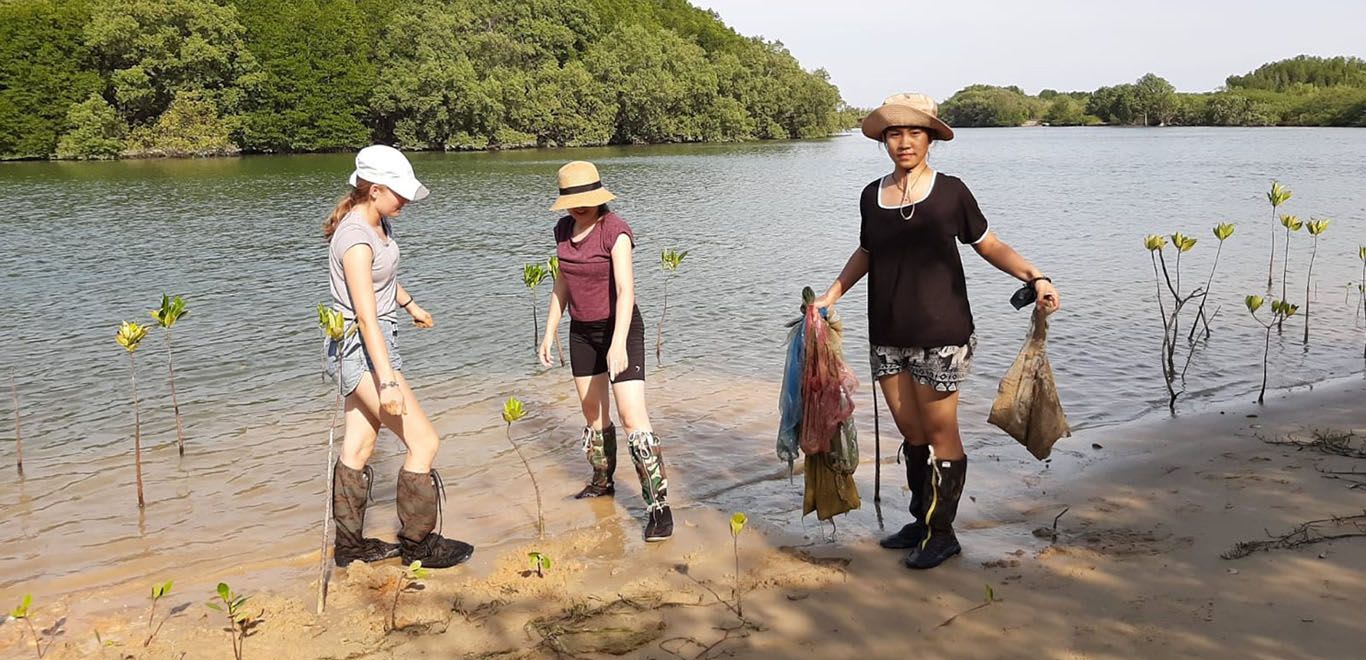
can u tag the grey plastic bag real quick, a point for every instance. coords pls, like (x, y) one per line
(1027, 405)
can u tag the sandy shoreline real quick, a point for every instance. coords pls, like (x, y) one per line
(1135, 570)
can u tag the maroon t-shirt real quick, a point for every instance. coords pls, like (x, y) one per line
(587, 266)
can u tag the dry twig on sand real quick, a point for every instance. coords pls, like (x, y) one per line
(1337, 443)
(1308, 533)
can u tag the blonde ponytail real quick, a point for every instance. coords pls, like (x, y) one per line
(358, 195)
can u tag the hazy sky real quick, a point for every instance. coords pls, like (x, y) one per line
(873, 49)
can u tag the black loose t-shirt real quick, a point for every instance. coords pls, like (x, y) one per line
(917, 294)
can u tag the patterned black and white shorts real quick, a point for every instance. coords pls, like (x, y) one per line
(941, 367)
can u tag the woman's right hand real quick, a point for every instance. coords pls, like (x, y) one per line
(544, 352)
(391, 401)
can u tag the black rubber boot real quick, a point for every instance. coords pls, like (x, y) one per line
(350, 495)
(601, 449)
(946, 488)
(917, 459)
(419, 512)
(660, 524)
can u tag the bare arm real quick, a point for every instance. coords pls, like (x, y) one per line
(623, 271)
(559, 297)
(997, 253)
(421, 318)
(854, 270)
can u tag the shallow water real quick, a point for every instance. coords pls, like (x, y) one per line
(94, 243)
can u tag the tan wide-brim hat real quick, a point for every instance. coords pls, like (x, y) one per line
(907, 109)
(580, 185)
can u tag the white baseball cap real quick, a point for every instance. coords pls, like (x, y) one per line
(388, 167)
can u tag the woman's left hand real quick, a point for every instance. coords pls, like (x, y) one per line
(1047, 296)
(616, 360)
(420, 316)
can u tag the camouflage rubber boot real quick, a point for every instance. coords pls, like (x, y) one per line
(917, 459)
(419, 513)
(601, 449)
(654, 484)
(350, 495)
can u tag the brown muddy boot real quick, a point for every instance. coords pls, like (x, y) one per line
(654, 485)
(419, 512)
(601, 449)
(917, 459)
(350, 494)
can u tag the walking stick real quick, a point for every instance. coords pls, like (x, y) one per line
(877, 452)
(331, 481)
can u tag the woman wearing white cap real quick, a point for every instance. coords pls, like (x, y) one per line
(919, 321)
(606, 339)
(363, 268)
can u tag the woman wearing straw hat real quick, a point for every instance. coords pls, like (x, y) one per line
(919, 321)
(606, 339)
(363, 268)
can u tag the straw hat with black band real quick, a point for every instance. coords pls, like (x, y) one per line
(580, 186)
(906, 110)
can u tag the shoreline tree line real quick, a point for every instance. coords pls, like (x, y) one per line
(137, 78)
(1300, 91)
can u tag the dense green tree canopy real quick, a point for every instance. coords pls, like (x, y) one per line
(176, 76)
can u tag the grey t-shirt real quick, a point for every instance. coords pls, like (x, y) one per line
(353, 230)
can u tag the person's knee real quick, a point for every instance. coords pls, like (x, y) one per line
(910, 431)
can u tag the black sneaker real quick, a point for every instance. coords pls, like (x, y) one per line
(436, 551)
(595, 490)
(371, 550)
(909, 537)
(936, 550)
(660, 525)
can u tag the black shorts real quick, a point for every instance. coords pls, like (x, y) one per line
(589, 341)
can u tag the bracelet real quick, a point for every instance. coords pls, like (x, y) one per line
(1029, 283)
(387, 385)
(405, 305)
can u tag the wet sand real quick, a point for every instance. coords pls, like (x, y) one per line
(1135, 569)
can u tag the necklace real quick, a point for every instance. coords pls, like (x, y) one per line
(906, 196)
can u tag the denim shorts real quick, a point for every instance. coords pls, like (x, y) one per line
(355, 360)
(940, 367)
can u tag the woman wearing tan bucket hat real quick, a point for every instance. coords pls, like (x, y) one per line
(606, 339)
(919, 320)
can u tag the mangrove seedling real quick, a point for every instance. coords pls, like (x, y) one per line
(737, 525)
(1315, 227)
(1291, 223)
(239, 622)
(1156, 244)
(334, 328)
(409, 579)
(18, 432)
(159, 591)
(1279, 311)
(532, 276)
(1222, 232)
(513, 411)
(21, 612)
(539, 563)
(1278, 195)
(130, 335)
(553, 265)
(669, 260)
(171, 310)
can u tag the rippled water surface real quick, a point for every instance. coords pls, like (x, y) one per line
(90, 244)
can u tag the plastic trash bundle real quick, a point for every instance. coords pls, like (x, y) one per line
(816, 405)
(1027, 405)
